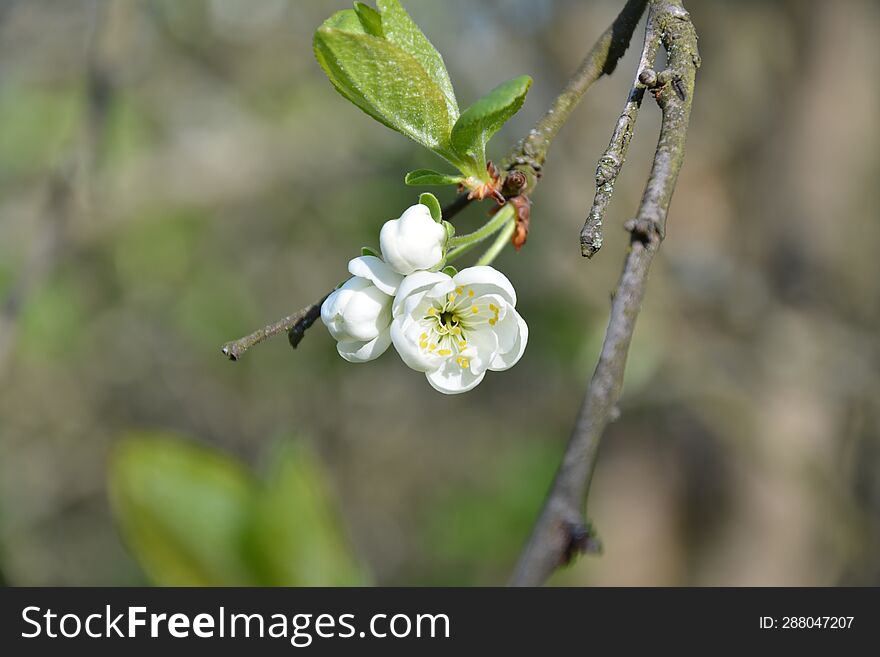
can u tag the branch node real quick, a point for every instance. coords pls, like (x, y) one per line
(607, 169)
(580, 538)
(645, 230)
(648, 77)
(514, 182)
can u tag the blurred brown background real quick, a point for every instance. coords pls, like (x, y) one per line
(176, 174)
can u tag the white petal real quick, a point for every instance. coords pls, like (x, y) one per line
(367, 313)
(377, 272)
(481, 350)
(414, 283)
(486, 280)
(405, 337)
(450, 379)
(418, 214)
(513, 323)
(334, 307)
(361, 352)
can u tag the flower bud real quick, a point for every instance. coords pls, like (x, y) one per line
(358, 313)
(414, 242)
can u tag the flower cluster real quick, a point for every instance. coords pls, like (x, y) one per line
(453, 327)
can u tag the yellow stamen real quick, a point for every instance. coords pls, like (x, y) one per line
(432, 347)
(458, 290)
(474, 310)
(432, 311)
(470, 293)
(493, 308)
(444, 352)
(492, 322)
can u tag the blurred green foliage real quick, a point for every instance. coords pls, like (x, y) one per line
(195, 517)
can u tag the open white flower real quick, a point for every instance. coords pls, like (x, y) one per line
(414, 242)
(455, 328)
(358, 313)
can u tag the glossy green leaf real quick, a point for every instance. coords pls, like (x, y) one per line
(384, 81)
(368, 251)
(182, 509)
(371, 20)
(430, 201)
(296, 536)
(431, 178)
(401, 30)
(449, 270)
(347, 20)
(480, 121)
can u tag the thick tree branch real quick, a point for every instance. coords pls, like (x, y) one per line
(523, 164)
(561, 530)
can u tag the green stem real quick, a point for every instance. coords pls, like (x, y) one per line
(500, 242)
(472, 239)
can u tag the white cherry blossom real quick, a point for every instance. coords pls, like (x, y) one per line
(455, 328)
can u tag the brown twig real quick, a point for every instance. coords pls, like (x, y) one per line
(295, 325)
(561, 530)
(523, 164)
(612, 159)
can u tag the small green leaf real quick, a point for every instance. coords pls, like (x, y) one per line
(182, 509)
(370, 19)
(481, 120)
(367, 251)
(450, 230)
(429, 200)
(386, 82)
(346, 20)
(431, 178)
(400, 29)
(449, 270)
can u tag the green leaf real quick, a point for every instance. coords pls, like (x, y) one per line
(481, 120)
(347, 20)
(367, 251)
(449, 270)
(429, 200)
(386, 82)
(182, 509)
(296, 536)
(450, 230)
(431, 178)
(371, 20)
(400, 29)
